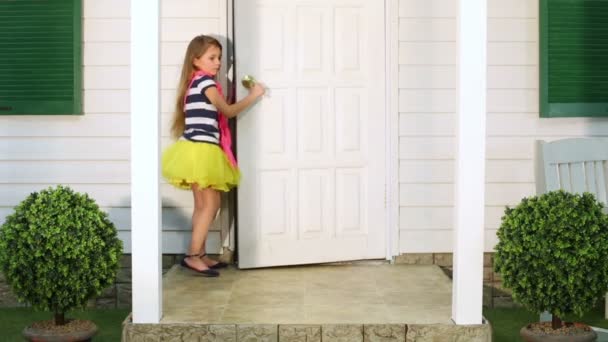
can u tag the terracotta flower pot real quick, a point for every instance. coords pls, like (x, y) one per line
(574, 332)
(75, 331)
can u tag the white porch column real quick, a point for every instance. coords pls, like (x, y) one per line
(145, 169)
(470, 163)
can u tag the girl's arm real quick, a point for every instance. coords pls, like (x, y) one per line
(232, 110)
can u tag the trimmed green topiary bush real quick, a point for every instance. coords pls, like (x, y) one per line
(58, 250)
(553, 253)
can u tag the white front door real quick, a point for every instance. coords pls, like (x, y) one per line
(312, 151)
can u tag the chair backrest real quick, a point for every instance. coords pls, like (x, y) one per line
(575, 165)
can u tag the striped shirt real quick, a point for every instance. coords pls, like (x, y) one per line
(201, 114)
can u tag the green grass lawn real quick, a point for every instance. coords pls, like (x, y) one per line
(507, 322)
(13, 320)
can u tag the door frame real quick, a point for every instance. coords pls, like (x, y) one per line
(391, 46)
(391, 113)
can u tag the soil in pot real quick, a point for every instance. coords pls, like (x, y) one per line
(73, 330)
(570, 332)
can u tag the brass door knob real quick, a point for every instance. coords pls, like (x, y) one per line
(248, 81)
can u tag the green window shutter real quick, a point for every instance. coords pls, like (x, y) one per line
(40, 57)
(573, 58)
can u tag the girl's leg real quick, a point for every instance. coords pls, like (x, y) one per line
(214, 205)
(205, 206)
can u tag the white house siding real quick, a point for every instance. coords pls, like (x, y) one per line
(91, 152)
(427, 102)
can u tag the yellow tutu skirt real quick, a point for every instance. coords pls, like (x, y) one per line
(186, 162)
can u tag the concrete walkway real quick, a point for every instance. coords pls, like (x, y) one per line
(338, 303)
(341, 294)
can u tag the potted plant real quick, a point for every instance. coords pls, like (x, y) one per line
(553, 255)
(57, 251)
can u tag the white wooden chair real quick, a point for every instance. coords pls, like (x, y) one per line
(575, 165)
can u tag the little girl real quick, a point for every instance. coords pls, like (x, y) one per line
(202, 158)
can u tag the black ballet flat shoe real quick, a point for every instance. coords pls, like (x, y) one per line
(204, 273)
(216, 266)
(219, 265)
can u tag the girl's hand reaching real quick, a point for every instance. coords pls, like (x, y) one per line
(257, 90)
(232, 110)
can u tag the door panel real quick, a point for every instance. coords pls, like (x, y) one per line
(312, 151)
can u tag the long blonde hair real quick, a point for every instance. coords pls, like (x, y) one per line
(197, 47)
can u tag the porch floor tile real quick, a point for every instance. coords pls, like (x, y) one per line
(332, 294)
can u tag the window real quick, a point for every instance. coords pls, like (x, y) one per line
(40, 57)
(573, 58)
